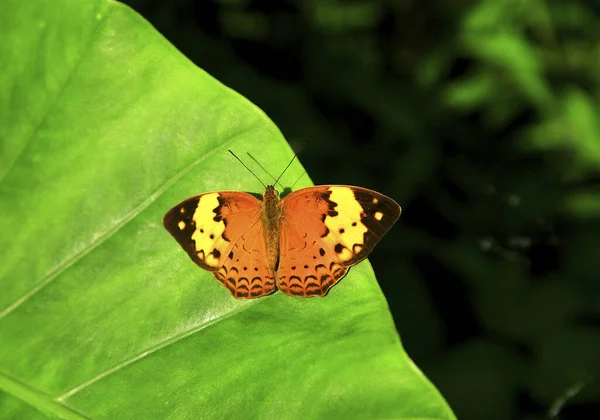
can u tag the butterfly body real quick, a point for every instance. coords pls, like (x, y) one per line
(302, 244)
(271, 216)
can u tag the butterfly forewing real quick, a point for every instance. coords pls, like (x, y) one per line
(377, 214)
(208, 225)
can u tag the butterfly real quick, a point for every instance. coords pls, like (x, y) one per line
(302, 244)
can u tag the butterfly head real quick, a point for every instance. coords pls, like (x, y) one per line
(270, 194)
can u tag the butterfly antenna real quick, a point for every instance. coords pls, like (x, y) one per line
(262, 167)
(299, 178)
(286, 168)
(250, 170)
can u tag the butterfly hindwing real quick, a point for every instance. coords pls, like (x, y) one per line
(245, 272)
(325, 230)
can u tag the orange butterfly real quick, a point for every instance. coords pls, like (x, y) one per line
(302, 244)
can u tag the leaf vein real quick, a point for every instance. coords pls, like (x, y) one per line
(171, 340)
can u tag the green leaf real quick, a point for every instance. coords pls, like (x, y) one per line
(105, 126)
(584, 204)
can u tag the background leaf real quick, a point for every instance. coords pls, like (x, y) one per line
(105, 126)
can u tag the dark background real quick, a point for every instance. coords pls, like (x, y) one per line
(480, 117)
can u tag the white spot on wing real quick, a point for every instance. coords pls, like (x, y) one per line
(181, 225)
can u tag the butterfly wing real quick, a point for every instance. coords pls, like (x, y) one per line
(327, 229)
(246, 272)
(213, 228)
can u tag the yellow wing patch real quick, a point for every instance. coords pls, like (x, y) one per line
(208, 236)
(347, 219)
(346, 231)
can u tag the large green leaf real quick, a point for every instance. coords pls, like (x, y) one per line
(105, 126)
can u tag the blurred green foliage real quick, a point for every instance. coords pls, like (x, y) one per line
(481, 118)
